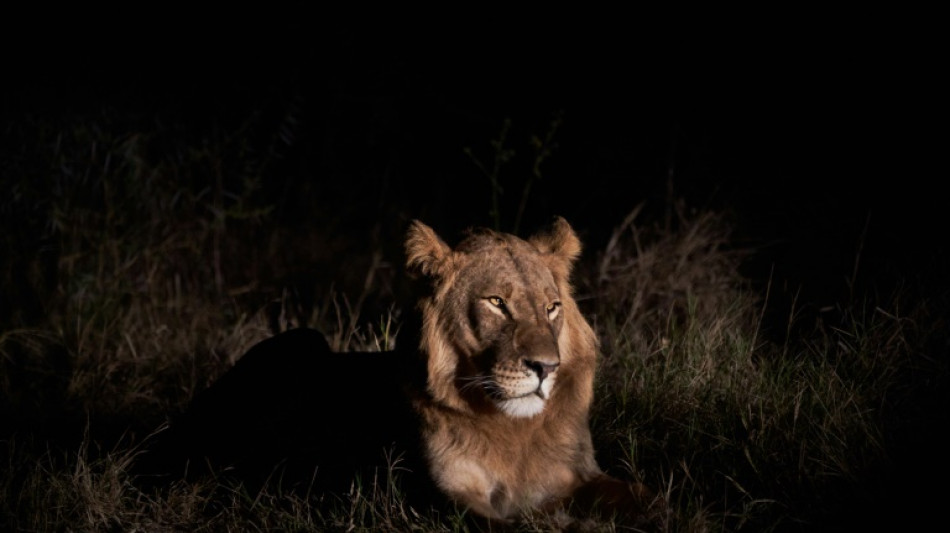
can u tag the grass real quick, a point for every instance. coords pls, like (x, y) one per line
(140, 264)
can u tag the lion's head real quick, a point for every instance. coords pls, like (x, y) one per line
(500, 324)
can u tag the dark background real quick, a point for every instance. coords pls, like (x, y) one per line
(822, 134)
(820, 131)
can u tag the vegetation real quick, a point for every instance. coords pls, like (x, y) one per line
(140, 261)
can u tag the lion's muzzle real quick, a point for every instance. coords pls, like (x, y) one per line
(537, 346)
(524, 376)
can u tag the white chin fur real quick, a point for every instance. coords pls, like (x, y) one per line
(524, 407)
(528, 404)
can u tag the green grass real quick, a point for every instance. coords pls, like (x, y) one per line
(139, 265)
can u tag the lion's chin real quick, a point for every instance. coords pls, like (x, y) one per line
(523, 407)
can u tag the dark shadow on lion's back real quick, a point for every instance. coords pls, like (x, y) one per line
(292, 413)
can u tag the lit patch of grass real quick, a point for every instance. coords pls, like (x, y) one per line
(738, 431)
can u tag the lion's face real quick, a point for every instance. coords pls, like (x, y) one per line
(494, 322)
(508, 336)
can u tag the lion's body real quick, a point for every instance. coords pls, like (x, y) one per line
(490, 404)
(294, 412)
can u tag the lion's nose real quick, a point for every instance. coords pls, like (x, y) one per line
(540, 368)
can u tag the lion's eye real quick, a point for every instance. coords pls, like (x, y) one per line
(497, 301)
(553, 308)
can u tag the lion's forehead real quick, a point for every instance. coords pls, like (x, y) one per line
(510, 273)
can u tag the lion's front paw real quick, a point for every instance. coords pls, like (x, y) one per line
(629, 502)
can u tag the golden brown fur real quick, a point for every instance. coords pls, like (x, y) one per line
(485, 454)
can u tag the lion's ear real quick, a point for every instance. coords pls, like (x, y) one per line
(426, 253)
(561, 243)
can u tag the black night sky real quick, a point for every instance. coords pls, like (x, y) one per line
(814, 129)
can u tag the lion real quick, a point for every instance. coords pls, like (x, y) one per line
(488, 402)
(510, 372)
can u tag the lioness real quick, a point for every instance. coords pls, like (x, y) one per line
(489, 401)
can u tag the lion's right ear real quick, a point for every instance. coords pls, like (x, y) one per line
(426, 253)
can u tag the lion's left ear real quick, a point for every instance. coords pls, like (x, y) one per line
(561, 244)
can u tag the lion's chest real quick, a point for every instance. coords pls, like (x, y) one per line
(497, 477)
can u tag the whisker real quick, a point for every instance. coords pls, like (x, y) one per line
(481, 380)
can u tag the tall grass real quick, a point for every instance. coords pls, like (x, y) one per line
(140, 265)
